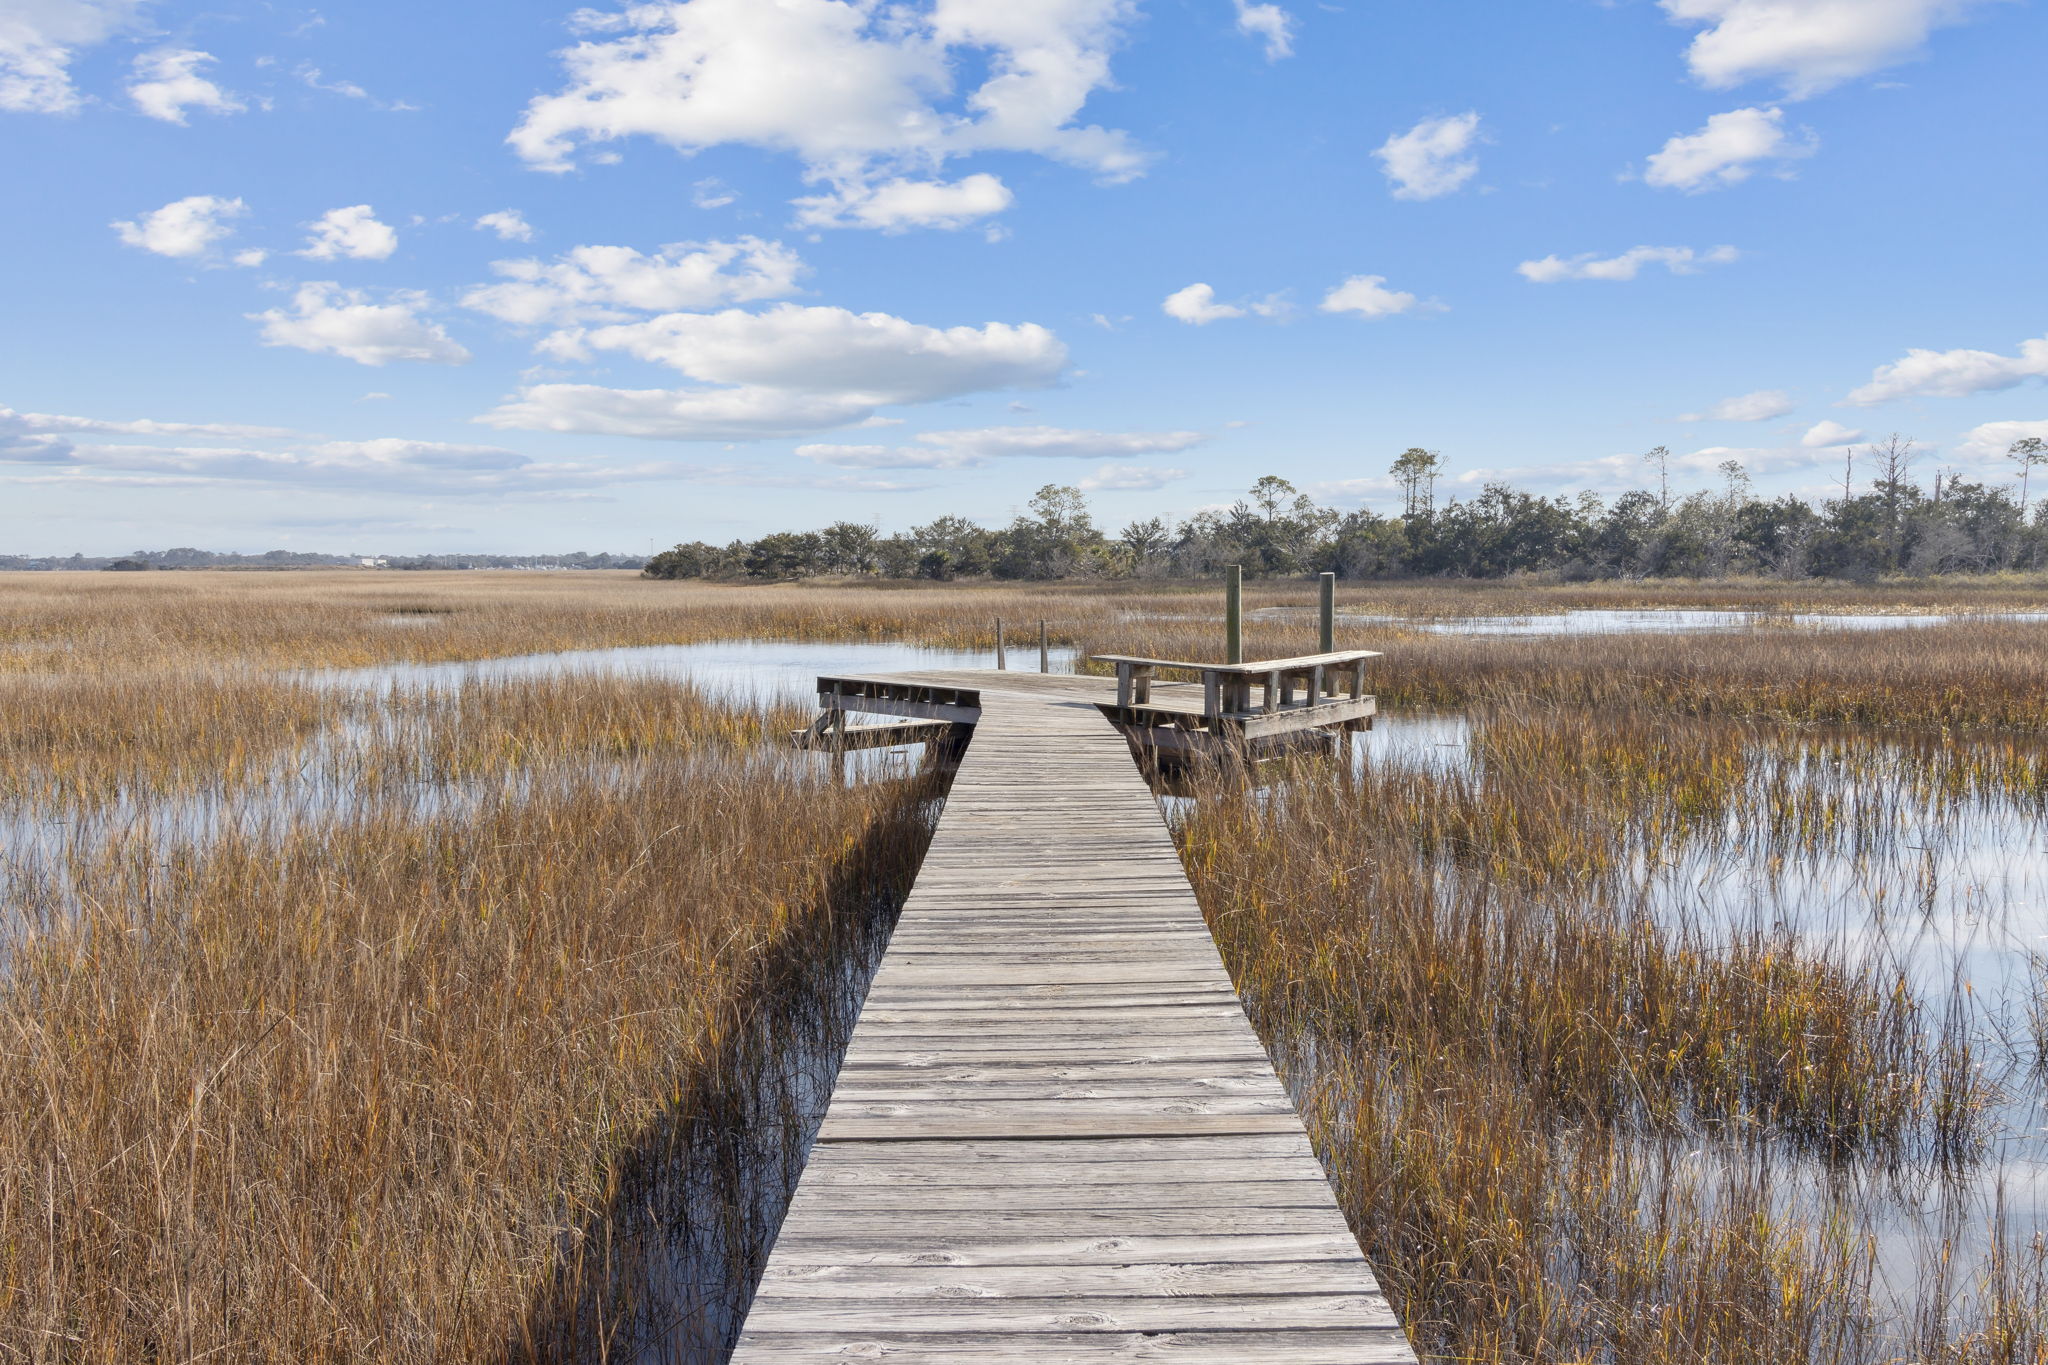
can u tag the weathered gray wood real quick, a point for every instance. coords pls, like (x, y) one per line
(1054, 1137)
(1339, 1346)
(1005, 1281)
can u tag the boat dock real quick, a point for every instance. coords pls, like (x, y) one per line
(1055, 1138)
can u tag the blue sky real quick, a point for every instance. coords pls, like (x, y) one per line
(522, 277)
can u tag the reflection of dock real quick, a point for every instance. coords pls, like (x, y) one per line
(1055, 1138)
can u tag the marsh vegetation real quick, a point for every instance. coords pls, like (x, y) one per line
(1671, 997)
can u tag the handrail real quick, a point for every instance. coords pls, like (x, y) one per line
(1227, 688)
(1342, 656)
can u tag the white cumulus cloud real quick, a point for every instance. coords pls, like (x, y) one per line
(351, 232)
(1953, 374)
(184, 227)
(1368, 297)
(1829, 433)
(1197, 306)
(787, 371)
(1761, 406)
(1129, 478)
(1270, 24)
(1679, 260)
(1989, 443)
(609, 283)
(1726, 151)
(1808, 45)
(898, 205)
(509, 224)
(167, 82)
(861, 93)
(1431, 159)
(40, 38)
(326, 319)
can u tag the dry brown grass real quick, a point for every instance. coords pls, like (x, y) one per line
(406, 1087)
(1576, 1121)
(491, 1066)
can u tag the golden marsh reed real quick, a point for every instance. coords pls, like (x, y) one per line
(407, 1082)
(483, 1057)
(1577, 1117)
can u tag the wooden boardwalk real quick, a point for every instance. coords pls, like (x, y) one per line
(1055, 1138)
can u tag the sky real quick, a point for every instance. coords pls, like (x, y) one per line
(522, 277)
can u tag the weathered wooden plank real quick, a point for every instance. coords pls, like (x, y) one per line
(1072, 1125)
(1084, 1312)
(1311, 1192)
(1335, 1346)
(875, 1245)
(1177, 1278)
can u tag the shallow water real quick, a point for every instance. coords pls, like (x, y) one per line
(317, 782)
(1656, 620)
(764, 669)
(1947, 889)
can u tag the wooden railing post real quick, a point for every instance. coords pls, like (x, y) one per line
(1326, 615)
(1001, 662)
(1233, 614)
(1044, 655)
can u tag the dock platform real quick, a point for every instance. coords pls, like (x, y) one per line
(1055, 1138)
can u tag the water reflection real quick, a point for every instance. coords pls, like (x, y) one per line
(764, 669)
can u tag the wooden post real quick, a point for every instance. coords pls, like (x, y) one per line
(1044, 655)
(1233, 614)
(1327, 615)
(1001, 661)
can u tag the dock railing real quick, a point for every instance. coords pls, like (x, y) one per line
(1227, 688)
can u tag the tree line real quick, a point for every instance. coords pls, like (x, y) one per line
(1883, 521)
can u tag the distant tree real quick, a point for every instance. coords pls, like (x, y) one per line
(1622, 542)
(695, 559)
(848, 547)
(969, 549)
(785, 555)
(1416, 471)
(1895, 486)
(1661, 458)
(1774, 536)
(1055, 539)
(2028, 451)
(896, 556)
(1368, 546)
(1144, 543)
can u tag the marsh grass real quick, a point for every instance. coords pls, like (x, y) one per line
(506, 1051)
(404, 1086)
(1576, 1117)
